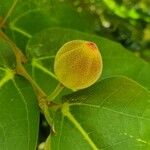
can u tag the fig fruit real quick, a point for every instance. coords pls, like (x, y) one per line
(78, 64)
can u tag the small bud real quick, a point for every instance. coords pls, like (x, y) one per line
(78, 64)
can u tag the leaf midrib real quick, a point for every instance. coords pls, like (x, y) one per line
(108, 109)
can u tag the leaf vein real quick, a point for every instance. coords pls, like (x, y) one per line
(26, 107)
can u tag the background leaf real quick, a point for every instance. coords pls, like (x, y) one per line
(117, 60)
(114, 113)
(30, 17)
(35, 20)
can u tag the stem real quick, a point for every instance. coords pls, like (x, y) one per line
(56, 92)
(39, 66)
(49, 119)
(20, 31)
(66, 112)
(42, 97)
(20, 58)
(21, 70)
(9, 13)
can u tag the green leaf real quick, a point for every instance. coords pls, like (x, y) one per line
(50, 15)
(7, 58)
(19, 114)
(4, 6)
(30, 17)
(25, 23)
(112, 114)
(16, 110)
(117, 60)
(20, 7)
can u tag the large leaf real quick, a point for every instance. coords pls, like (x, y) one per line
(19, 114)
(42, 48)
(114, 114)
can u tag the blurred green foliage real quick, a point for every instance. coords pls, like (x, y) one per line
(125, 21)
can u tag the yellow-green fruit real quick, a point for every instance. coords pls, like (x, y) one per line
(78, 64)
